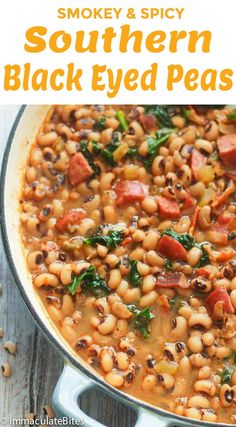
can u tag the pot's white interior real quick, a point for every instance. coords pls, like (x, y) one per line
(24, 136)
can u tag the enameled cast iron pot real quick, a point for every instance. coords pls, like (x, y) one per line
(77, 376)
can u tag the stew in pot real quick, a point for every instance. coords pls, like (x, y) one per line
(129, 228)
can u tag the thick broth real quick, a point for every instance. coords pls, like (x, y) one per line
(128, 223)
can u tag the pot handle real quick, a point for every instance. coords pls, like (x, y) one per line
(72, 384)
(65, 399)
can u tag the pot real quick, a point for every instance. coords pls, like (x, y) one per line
(77, 376)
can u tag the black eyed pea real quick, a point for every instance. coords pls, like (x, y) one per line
(6, 370)
(34, 259)
(149, 283)
(106, 181)
(170, 352)
(204, 373)
(143, 269)
(166, 380)
(204, 146)
(31, 174)
(184, 366)
(113, 298)
(122, 288)
(66, 274)
(122, 361)
(56, 267)
(223, 352)
(233, 284)
(222, 282)
(198, 401)
(208, 338)
(67, 305)
(233, 297)
(150, 240)
(193, 413)
(201, 284)
(194, 256)
(198, 189)
(112, 260)
(109, 214)
(32, 226)
(102, 251)
(204, 217)
(198, 361)
(179, 327)
(148, 299)
(179, 410)
(205, 386)
(138, 254)
(102, 306)
(46, 279)
(153, 259)
(149, 205)
(184, 174)
(114, 279)
(185, 311)
(114, 379)
(120, 310)
(211, 350)
(200, 320)
(209, 415)
(211, 131)
(106, 360)
(121, 328)
(10, 347)
(189, 134)
(137, 129)
(148, 382)
(132, 296)
(84, 342)
(138, 236)
(107, 325)
(158, 166)
(47, 138)
(68, 329)
(195, 344)
(227, 394)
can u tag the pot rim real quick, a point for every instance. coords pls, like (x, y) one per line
(131, 400)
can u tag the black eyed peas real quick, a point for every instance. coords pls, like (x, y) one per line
(129, 231)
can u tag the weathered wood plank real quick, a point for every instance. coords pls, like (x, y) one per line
(37, 365)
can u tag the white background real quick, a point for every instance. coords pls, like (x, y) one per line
(214, 15)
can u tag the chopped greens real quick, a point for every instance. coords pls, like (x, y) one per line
(232, 115)
(204, 260)
(226, 374)
(111, 240)
(89, 281)
(188, 242)
(174, 302)
(134, 277)
(132, 153)
(140, 319)
(100, 124)
(85, 151)
(123, 122)
(154, 145)
(162, 114)
(168, 264)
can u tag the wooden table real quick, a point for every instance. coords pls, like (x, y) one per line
(36, 365)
